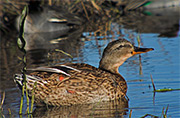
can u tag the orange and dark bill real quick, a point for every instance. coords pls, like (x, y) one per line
(138, 50)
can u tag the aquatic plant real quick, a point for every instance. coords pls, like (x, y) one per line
(162, 90)
(21, 45)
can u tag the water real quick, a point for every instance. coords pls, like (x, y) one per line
(162, 63)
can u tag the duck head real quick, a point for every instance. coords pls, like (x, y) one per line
(117, 52)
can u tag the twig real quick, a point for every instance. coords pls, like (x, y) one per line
(162, 112)
(152, 116)
(3, 98)
(96, 6)
(9, 111)
(165, 114)
(153, 84)
(139, 40)
(2, 102)
(167, 109)
(85, 10)
(140, 66)
(64, 53)
(130, 114)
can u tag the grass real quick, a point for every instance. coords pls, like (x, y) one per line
(161, 90)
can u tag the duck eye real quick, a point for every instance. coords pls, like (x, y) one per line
(131, 52)
(123, 46)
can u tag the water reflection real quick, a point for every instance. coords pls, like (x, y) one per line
(41, 47)
(116, 108)
(164, 21)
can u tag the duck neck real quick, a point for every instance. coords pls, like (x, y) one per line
(110, 67)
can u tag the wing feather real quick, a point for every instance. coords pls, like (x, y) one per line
(50, 69)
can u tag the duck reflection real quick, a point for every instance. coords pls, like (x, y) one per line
(50, 40)
(116, 108)
(47, 19)
(41, 47)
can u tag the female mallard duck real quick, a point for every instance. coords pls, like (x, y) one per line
(78, 83)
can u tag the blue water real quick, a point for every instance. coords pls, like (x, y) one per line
(162, 63)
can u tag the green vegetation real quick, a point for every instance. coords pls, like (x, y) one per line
(21, 44)
(32, 99)
(162, 90)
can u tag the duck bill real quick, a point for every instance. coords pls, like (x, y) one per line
(138, 50)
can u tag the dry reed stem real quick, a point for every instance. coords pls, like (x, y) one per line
(96, 6)
(153, 84)
(2, 100)
(130, 113)
(85, 10)
(9, 110)
(162, 112)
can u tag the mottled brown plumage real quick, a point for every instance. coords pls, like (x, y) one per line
(81, 83)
